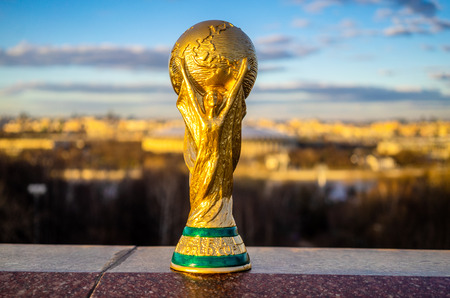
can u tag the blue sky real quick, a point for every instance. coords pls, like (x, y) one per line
(326, 59)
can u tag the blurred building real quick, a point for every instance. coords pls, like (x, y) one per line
(168, 139)
(15, 146)
(432, 147)
(256, 141)
(80, 175)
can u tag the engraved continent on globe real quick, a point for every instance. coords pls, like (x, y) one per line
(212, 51)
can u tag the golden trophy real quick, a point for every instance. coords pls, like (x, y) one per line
(212, 67)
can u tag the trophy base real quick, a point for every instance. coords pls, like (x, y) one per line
(211, 270)
(210, 250)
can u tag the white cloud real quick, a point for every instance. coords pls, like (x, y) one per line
(443, 76)
(383, 13)
(273, 54)
(427, 47)
(422, 7)
(347, 23)
(300, 23)
(438, 25)
(398, 30)
(284, 100)
(301, 50)
(270, 68)
(386, 72)
(357, 93)
(275, 39)
(133, 57)
(319, 5)
(84, 88)
(414, 17)
(345, 92)
(349, 29)
(280, 46)
(407, 17)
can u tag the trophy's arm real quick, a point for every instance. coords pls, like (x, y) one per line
(181, 64)
(236, 87)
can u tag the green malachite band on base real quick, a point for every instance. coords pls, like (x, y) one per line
(211, 270)
(210, 262)
(210, 232)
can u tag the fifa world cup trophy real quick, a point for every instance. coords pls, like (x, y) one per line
(212, 67)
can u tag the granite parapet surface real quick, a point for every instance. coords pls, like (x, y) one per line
(267, 285)
(105, 271)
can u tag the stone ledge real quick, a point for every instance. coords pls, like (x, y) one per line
(49, 270)
(58, 258)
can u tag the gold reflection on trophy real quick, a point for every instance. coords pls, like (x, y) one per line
(212, 72)
(213, 67)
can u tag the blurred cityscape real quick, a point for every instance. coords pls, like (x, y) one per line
(302, 182)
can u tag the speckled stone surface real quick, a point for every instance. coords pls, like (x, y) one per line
(268, 285)
(118, 271)
(47, 284)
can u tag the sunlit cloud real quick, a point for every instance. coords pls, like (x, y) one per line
(322, 90)
(276, 39)
(412, 17)
(416, 25)
(402, 30)
(300, 23)
(317, 6)
(440, 25)
(327, 40)
(273, 54)
(110, 56)
(426, 8)
(270, 68)
(349, 29)
(386, 72)
(442, 76)
(363, 57)
(383, 13)
(423, 7)
(407, 17)
(84, 88)
(427, 47)
(159, 100)
(356, 93)
(274, 47)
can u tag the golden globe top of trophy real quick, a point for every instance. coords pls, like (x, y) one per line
(212, 67)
